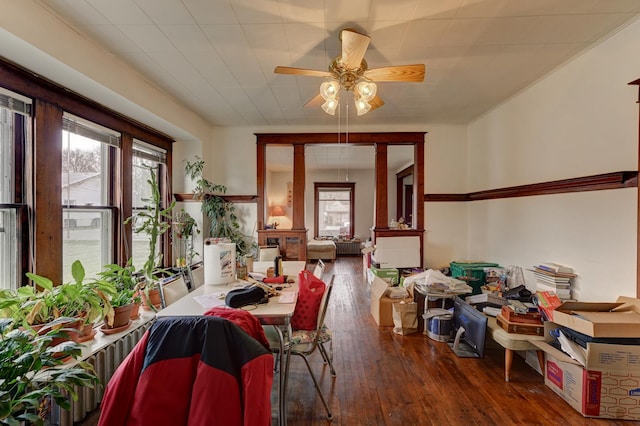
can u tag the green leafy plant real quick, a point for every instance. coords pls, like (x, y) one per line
(154, 221)
(32, 373)
(29, 306)
(223, 221)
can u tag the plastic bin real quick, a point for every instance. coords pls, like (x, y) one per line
(472, 269)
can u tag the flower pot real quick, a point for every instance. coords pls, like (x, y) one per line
(121, 320)
(135, 312)
(87, 333)
(154, 299)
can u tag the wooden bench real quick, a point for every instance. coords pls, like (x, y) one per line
(513, 342)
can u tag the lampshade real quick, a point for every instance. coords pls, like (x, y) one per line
(367, 90)
(277, 211)
(329, 90)
(330, 106)
(362, 106)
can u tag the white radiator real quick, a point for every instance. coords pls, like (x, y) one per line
(105, 361)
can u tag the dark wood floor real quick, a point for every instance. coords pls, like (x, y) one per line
(388, 379)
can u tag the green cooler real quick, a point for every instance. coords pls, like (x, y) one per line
(472, 269)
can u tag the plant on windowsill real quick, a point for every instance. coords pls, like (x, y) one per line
(154, 221)
(25, 387)
(223, 221)
(125, 281)
(66, 308)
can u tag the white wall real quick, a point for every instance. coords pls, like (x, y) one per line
(580, 120)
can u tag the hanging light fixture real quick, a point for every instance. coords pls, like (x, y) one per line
(364, 91)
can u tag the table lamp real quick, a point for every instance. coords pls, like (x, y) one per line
(276, 212)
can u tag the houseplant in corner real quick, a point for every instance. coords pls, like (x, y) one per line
(25, 388)
(223, 221)
(154, 221)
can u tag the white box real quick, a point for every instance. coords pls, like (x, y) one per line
(398, 252)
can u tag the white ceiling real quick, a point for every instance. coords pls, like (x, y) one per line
(218, 56)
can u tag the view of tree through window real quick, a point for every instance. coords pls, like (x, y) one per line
(87, 174)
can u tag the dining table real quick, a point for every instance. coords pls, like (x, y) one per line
(276, 313)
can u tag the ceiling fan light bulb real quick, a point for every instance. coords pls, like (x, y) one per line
(362, 106)
(330, 106)
(367, 90)
(329, 90)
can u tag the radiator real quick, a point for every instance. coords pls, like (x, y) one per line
(105, 362)
(348, 248)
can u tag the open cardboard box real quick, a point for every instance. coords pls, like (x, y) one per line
(608, 386)
(381, 303)
(618, 319)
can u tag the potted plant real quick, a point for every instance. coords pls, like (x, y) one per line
(154, 221)
(25, 386)
(125, 281)
(88, 301)
(224, 222)
(184, 229)
(66, 308)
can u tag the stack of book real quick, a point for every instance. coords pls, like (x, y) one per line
(554, 277)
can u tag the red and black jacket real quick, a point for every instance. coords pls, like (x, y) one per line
(198, 370)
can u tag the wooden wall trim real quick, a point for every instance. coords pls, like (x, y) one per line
(231, 198)
(614, 180)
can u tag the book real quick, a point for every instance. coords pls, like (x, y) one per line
(547, 301)
(562, 293)
(555, 267)
(538, 270)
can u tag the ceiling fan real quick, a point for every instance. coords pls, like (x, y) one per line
(350, 72)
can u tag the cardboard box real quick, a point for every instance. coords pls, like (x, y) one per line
(619, 319)
(381, 303)
(608, 386)
(398, 252)
(390, 275)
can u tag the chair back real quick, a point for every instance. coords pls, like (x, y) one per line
(267, 253)
(173, 290)
(197, 275)
(318, 271)
(324, 304)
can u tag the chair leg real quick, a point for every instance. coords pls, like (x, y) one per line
(315, 383)
(327, 357)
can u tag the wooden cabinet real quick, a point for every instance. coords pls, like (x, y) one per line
(292, 243)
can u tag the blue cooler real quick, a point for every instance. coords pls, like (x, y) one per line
(439, 324)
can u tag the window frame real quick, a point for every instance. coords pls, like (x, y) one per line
(319, 187)
(41, 175)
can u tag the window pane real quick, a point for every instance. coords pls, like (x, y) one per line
(14, 133)
(9, 253)
(334, 213)
(88, 236)
(87, 174)
(6, 156)
(145, 157)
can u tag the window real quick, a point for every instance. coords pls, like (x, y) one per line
(14, 134)
(334, 209)
(89, 170)
(145, 157)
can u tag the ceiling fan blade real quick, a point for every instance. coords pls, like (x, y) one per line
(301, 71)
(376, 102)
(316, 101)
(354, 46)
(410, 73)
